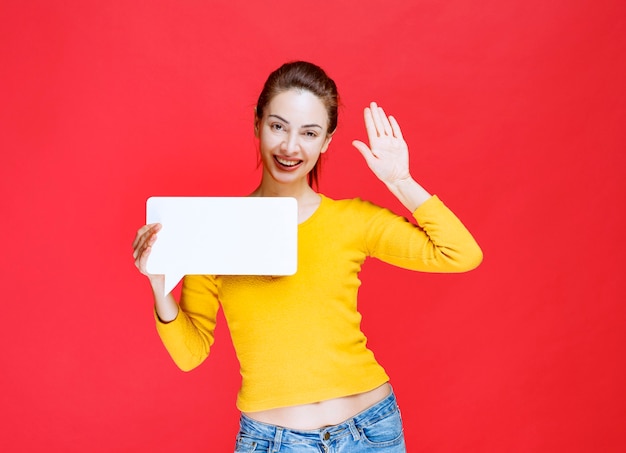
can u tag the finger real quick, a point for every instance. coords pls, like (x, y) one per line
(150, 240)
(365, 150)
(385, 121)
(395, 127)
(140, 232)
(145, 240)
(145, 231)
(144, 250)
(142, 261)
(138, 235)
(380, 128)
(144, 255)
(370, 127)
(140, 245)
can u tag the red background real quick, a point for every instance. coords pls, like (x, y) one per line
(514, 112)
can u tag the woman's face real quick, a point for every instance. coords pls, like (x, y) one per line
(292, 135)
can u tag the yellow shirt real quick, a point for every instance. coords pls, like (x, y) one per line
(298, 338)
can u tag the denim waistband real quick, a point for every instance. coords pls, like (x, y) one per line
(280, 435)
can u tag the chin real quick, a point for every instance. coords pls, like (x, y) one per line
(288, 178)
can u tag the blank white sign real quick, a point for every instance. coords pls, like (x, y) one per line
(223, 236)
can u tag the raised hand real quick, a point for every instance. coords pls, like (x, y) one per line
(387, 154)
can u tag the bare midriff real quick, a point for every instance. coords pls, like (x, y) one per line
(321, 414)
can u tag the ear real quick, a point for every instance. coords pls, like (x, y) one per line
(256, 124)
(329, 138)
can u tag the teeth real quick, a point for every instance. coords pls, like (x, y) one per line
(288, 163)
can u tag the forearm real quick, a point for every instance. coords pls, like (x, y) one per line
(409, 193)
(165, 305)
(187, 330)
(441, 243)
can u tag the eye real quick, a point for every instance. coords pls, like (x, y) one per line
(310, 134)
(277, 127)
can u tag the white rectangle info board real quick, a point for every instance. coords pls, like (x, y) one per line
(223, 236)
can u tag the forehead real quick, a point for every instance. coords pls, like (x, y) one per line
(299, 107)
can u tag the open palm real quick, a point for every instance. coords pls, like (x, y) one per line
(387, 154)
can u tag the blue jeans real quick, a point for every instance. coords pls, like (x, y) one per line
(377, 429)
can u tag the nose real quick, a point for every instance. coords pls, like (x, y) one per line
(291, 144)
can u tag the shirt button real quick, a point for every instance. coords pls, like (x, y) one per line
(326, 436)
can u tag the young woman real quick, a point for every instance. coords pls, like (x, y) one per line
(309, 383)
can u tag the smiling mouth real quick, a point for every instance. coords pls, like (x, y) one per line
(285, 163)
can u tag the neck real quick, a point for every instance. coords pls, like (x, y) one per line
(308, 199)
(299, 190)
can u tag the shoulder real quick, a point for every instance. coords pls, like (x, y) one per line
(352, 214)
(350, 205)
(200, 283)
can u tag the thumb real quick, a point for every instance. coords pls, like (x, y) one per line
(363, 149)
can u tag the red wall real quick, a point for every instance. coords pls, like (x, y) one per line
(515, 115)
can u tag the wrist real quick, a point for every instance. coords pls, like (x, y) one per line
(408, 192)
(157, 281)
(399, 183)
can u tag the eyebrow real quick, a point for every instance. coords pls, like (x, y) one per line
(287, 122)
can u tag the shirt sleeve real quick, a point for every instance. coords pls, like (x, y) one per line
(439, 243)
(189, 337)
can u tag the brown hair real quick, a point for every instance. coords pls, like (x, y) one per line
(302, 75)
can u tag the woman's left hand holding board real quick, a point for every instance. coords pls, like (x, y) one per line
(165, 305)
